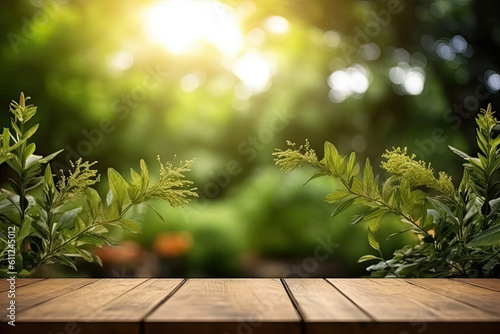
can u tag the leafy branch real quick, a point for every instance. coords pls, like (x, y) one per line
(57, 227)
(458, 228)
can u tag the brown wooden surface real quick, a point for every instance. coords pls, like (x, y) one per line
(133, 306)
(4, 285)
(478, 297)
(223, 305)
(493, 284)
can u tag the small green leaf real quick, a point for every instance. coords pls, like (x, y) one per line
(49, 181)
(315, 176)
(341, 207)
(90, 238)
(337, 195)
(155, 211)
(130, 225)
(94, 202)
(398, 233)
(49, 157)
(144, 174)
(68, 219)
(355, 219)
(31, 131)
(373, 242)
(118, 186)
(489, 237)
(369, 258)
(459, 153)
(66, 261)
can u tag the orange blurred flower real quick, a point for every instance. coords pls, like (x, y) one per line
(172, 244)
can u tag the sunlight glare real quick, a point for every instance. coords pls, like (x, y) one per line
(254, 71)
(182, 25)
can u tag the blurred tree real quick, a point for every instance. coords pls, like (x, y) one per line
(228, 81)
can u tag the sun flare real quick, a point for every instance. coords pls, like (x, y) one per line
(183, 26)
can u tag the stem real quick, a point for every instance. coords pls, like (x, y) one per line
(23, 201)
(381, 203)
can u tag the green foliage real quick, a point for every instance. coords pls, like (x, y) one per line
(59, 225)
(458, 229)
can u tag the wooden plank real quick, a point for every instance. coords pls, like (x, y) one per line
(226, 305)
(397, 300)
(482, 298)
(79, 310)
(324, 308)
(41, 291)
(5, 285)
(135, 304)
(320, 301)
(488, 283)
(399, 306)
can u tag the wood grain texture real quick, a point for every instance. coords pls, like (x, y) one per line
(488, 283)
(395, 300)
(324, 308)
(5, 285)
(83, 304)
(481, 298)
(79, 309)
(135, 304)
(226, 305)
(399, 307)
(41, 291)
(206, 306)
(318, 300)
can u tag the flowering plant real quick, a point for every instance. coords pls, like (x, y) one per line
(69, 215)
(458, 228)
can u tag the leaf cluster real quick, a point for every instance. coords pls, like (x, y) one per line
(69, 217)
(458, 228)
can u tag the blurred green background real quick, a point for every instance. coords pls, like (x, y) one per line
(227, 82)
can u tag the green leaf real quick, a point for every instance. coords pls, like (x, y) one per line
(375, 219)
(90, 238)
(440, 207)
(49, 180)
(333, 160)
(489, 237)
(398, 233)
(355, 219)
(5, 139)
(136, 178)
(130, 225)
(66, 261)
(341, 207)
(67, 219)
(373, 242)
(337, 195)
(30, 149)
(368, 178)
(118, 187)
(113, 212)
(144, 174)
(46, 159)
(459, 153)
(369, 258)
(85, 254)
(24, 231)
(352, 166)
(31, 131)
(315, 176)
(94, 202)
(155, 211)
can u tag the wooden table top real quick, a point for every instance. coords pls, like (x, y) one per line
(252, 306)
